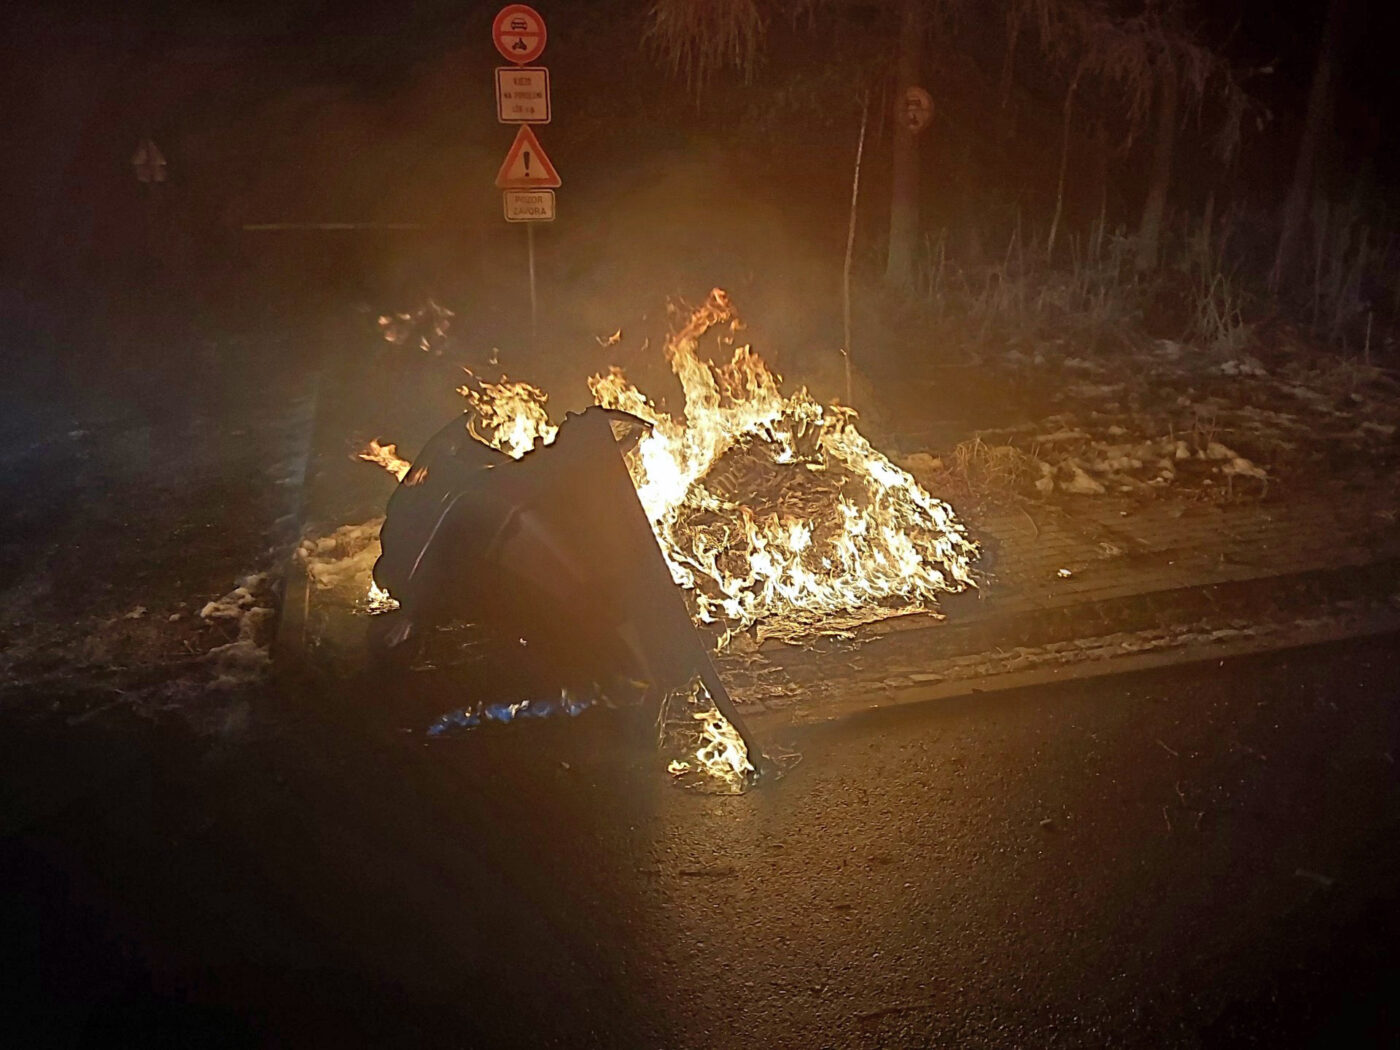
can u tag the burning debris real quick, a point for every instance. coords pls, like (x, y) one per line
(378, 600)
(716, 756)
(553, 560)
(773, 511)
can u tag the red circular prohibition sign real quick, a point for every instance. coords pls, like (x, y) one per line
(519, 33)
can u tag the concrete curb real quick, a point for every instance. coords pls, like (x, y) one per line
(1301, 635)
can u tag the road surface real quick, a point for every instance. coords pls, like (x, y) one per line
(1197, 857)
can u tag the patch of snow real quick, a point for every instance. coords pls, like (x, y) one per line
(1079, 482)
(921, 463)
(1093, 391)
(234, 604)
(1245, 365)
(345, 558)
(1241, 467)
(1064, 434)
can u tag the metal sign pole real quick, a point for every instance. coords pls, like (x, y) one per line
(534, 307)
(527, 176)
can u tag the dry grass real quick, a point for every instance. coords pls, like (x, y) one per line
(988, 471)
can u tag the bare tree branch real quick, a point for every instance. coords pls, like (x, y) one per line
(699, 39)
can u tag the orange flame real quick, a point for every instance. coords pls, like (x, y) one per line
(513, 413)
(386, 456)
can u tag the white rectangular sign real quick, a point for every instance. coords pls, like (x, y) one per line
(522, 94)
(529, 205)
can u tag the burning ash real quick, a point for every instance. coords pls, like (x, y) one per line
(386, 456)
(772, 510)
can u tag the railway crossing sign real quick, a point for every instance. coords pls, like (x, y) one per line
(526, 166)
(519, 33)
(528, 205)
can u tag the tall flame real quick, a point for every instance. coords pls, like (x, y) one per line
(871, 542)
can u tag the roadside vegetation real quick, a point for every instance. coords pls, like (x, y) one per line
(1108, 170)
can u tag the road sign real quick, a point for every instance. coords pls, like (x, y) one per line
(522, 94)
(526, 167)
(519, 33)
(918, 109)
(528, 205)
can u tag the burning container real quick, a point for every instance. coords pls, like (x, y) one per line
(552, 554)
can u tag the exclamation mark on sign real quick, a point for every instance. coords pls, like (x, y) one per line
(526, 155)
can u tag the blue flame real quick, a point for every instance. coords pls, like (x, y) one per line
(566, 703)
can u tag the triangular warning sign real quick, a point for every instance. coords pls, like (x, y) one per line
(526, 167)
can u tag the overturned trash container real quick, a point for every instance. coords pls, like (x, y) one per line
(551, 554)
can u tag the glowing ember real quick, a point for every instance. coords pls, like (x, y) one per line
(386, 456)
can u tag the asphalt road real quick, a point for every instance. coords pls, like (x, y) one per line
(1198, 857)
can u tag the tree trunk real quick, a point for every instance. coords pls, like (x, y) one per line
(1064, 166)
(1295, 207)
(904, 191)
(1150, 229)
(1008, 64)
